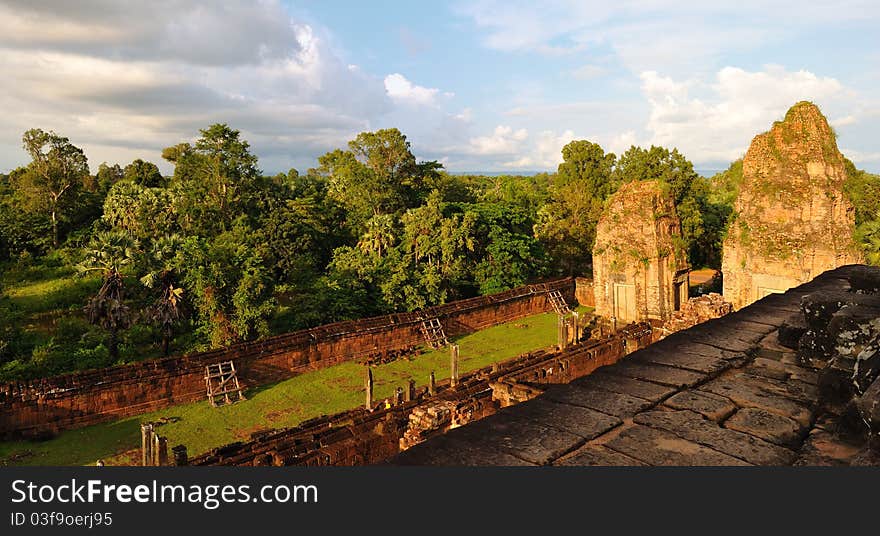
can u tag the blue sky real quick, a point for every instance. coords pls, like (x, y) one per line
(479, 85)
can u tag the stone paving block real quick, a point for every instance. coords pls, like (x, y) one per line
(523, 438)
(446, 451)
(687, 346)
(578, 420)
(743, 323)
(671, 376)
(709, 405)
(693, 427)
(793, 389)
(767, 426)
(729, 342)
(706, 365)
(799, 373)
(597, 455)
(620, 405)
(769, 369)
(659, 447)
(773, 316)
(749, 394)
(620, 384)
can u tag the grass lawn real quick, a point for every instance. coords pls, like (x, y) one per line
(324, 392)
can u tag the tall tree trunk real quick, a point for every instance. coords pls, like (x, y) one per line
(54, 229)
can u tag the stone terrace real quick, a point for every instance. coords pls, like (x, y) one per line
(721, 393)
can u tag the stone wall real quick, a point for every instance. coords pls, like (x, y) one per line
(361, 436)
(792, 219)
(583, 291)
(44, 407)
(639, 268)
(695, 311)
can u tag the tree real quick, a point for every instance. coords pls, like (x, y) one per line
(214, 180)
(657, 163)
(107, 254)
(228, 283)
(379, 236)
(703, 222)
(377, 175)
(430, 263)
(567, 223)
(56, 170)
(506, 252)
(868, 237)
(106, 177)
(863, 190)
(167, 310)
(144, 173)
(144, 213)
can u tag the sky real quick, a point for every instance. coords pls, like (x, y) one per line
(481, 85)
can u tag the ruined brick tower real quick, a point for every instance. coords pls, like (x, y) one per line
(792, 220)
(639, 268)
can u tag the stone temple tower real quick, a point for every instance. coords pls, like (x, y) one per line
(792, 220)
(640, 270)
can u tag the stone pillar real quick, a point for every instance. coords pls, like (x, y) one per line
(432, 384)
(160, 450)
(561, 335)
(410, 394)
(146, 444)
(576, 323)
(453, 364)
(613, 324)
(368, 387)
(180, 456)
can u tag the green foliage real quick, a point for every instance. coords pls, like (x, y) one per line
(57, 169)
(215, 180)
(863, 190)
(144, 174)
(229, 285)
(868, 237)
(225, 254)
(566, 225)
(702, 205)
(507, 254)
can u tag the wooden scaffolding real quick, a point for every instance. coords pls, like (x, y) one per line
(433, 332)
(558, 302)
(221, 381)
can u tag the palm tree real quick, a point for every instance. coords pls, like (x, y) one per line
(168, 308)
(379, 236)
(108, 253)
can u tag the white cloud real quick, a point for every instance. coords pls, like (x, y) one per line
(861, 157)
(715, 121)
(401, 89)
(108, 76)
(844, 121)
(503, 141)
(652, 34)
(193, 31)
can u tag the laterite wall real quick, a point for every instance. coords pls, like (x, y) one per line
(46, 406)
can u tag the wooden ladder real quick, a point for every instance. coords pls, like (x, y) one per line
(558, 302)
(221, 382)
(433, 332)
